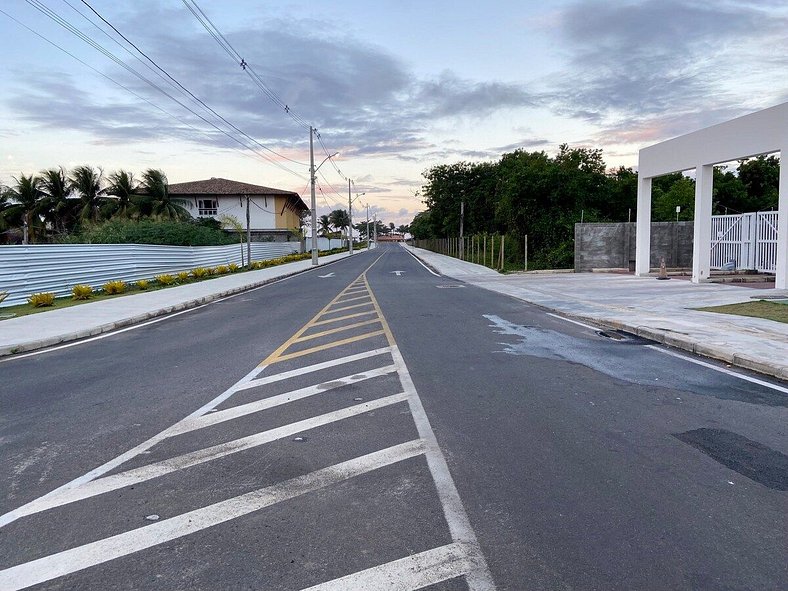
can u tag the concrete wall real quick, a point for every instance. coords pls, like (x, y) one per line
(612, 246)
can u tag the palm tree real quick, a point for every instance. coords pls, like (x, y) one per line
(26, 196)
(339, 219)
(55, 205)
(86, 181)
(325, 228)
(124, 188)
(157, 202)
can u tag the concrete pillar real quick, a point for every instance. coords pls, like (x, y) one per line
(643, 228)
(781, 278)
(701, 252)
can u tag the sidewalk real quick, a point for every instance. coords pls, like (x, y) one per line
(658, 310)
(36, 331)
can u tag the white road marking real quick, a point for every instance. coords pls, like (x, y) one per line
(406, 574)
(720, 369)
(326, 276)
(215, 452)
(242, 410)
(479, 578)
(418, 260)
(588, 326)
(82, 557)
(398, 273)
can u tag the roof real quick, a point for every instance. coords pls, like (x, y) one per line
(219, 186)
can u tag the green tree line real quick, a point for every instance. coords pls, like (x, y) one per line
(60, 205)
(534, 194)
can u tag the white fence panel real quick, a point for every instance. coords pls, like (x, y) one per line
(749, 240)
(26, 269)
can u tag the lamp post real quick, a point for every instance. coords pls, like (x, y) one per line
(312, 173)
(350, 215)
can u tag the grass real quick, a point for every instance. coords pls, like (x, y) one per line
(759, 309)
(131, 289)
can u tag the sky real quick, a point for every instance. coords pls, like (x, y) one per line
(395, 87)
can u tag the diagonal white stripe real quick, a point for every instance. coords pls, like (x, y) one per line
(406, 574)
(143, 473)
(82, 557)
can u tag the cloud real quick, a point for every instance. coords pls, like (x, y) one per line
(659, 58)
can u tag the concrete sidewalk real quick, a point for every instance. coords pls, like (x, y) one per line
(36, 331)
(658, 310)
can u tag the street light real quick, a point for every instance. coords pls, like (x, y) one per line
(312, 173)
(350, 216)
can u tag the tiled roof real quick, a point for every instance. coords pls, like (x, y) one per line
(219, 186)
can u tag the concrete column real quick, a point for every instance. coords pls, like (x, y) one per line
(701, 243)
(643, 228)
(781, 278)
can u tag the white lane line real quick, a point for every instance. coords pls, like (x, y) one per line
(128, 455)
(259, 405)
(479, 577)
(418, 260)
(215, 452)
(588, 326)
(720, 369)
(82, 557)
(285, 375)
(406, 574)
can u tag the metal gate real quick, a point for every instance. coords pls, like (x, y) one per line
(744, 241)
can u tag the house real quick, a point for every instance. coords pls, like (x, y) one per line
(391, 237)
(274, 214)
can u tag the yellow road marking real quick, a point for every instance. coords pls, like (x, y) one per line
(349, 307)
(340, 318)
(364, 297)
(331, 345)
(316, 335)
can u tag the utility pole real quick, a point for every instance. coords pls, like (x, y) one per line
(375, 227)
(248, 235)
(350, 216)
(314, 205)
(462, 223)
(368, 240)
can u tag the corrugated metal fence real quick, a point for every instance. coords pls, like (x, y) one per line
(58, 267)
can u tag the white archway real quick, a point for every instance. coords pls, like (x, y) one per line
(759, 133)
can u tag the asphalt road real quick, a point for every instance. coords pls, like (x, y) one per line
(370, 425)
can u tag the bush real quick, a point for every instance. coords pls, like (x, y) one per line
(143, 284)
(200, 272)
(189, 233)
(222, 270)
(233, 267)
(165, 279)
(41, 300)
(81, 292)
(113, 287)
(183, 276)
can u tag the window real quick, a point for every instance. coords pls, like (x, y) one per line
(207, 206)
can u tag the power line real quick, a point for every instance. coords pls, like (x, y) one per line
(64, 23)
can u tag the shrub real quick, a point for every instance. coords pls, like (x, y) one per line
(81, 292)
(40, 300)
(143, 284)
(183, 276)
(113, 287)
(3, 295)
(188, 233)
(222, 270)
(165, 279)
(233, 267)
(200, 272)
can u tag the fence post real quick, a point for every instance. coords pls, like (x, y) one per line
(484, 258)
(503, 247)
(526, 253)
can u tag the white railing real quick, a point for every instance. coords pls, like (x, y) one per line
(744, 241)
(58, 267)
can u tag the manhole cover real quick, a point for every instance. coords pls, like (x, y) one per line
(449, 286)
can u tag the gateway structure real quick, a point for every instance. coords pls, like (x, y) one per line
(759, 133)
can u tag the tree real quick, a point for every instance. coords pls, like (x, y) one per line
(56, 207)
(156, 201)
(420, 227)
(86, 182)
(761, 178)
(324, 224)
(26, 196)
(122, 186)
(681, 193)
(233, 223)
(403, 229)
(339, 219)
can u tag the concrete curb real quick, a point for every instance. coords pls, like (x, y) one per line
(140, 318)
(671, 339)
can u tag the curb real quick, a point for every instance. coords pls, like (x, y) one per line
(672, 339)
(140, 318)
